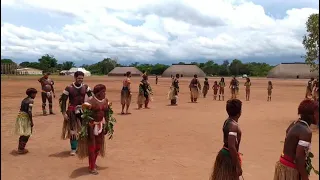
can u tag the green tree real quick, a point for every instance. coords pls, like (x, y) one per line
(67, 65)
(48, 63)
(311, 42)
(224, 68)
(102, 67)
(235, 67)
(7, 61)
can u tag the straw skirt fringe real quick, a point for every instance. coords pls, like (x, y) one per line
(23, 125)
(83, 148)
(283, 172)
(194, 93)
(125, 97)
(223, 169)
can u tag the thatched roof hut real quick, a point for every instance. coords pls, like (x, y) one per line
(187, 70)
(292, 70)
(121, 71)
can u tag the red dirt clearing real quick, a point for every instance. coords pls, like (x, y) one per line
(161, 143)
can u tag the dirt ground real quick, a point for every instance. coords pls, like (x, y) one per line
(161, 143)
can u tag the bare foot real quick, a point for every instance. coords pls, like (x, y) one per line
(94, 172)
(24, 151)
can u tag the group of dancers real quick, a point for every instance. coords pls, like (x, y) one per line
(86, 123)
(218, 89)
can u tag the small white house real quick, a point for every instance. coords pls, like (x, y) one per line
(28, 71)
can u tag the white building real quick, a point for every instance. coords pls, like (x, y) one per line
(73, 70)
(29, 71)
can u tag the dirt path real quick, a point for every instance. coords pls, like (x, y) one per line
(162, 143)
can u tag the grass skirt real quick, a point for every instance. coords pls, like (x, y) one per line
(83, 148)
(125, 97)
(23, 125)
(194, 93)
(224, 169)
(205, 90)
(283, 172)
(172, 94)
(73, 122)
(141, 99)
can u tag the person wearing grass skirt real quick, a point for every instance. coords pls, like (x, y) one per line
(292, 163)
(194, 86)
(24, 122)
(145, 92)
(76, 93)
(206, 87)
(174, 90)
(228, 161)
(126, 93)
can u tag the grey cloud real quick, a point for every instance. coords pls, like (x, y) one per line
(181, 12)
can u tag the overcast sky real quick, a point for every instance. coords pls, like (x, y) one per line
(152, 31)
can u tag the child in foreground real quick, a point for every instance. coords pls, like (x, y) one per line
(24, 122)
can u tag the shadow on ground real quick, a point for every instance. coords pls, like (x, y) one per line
(63, 154)
(83, 171)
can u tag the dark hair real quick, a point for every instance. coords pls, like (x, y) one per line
(205, 78)
(78, 73)
(222, 79)
(31, 91)
(270, 82)
(177, 75)
(307, 107)
(99, 87)
(233, 107)
(248, 79)
(195, 76)
(312, 79)
(215, 82)
(128, 73)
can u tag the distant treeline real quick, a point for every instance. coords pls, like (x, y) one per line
(49, 63)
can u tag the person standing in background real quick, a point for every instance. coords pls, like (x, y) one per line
(205, 88)
(47, 92)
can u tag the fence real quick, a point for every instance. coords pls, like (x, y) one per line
(8, 68)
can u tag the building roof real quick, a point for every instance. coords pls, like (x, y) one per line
(122, 70)
(292, 70)
(188, 70)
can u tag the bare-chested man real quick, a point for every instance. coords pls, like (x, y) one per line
(47, 92)
(72, 112)
(233, 86)
(292, 163)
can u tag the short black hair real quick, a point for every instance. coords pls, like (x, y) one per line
(233, 107)
(205, 78)
(128, 73)
(31, 91)
(177, 75)
(195, 76)
(78, 73)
